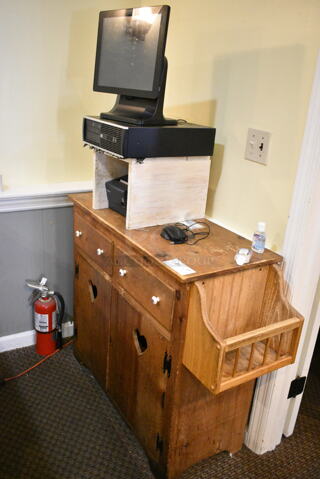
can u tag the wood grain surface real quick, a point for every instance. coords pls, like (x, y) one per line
(180, 371)
(210, 256)
(136, 381)
(240, 327)
(92, 314)
(143, 285)
(93, 243)
(158, 190)
(206, 424)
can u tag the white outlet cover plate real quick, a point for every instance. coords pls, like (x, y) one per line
(257, 145)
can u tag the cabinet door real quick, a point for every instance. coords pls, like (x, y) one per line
(92, 312)
(137, 379)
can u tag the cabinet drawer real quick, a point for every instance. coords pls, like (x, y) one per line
(97, 246)
(154, 295)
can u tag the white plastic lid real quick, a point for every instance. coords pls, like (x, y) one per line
(261, 226)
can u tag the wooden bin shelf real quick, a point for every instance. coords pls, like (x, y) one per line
(236, 337)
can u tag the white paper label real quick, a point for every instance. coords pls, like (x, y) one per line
(41, 322)
(179, 267)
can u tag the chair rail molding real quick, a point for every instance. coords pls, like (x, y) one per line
(36, 197)
(272, 413)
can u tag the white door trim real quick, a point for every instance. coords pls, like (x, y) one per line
(303, 368)
(273, 414)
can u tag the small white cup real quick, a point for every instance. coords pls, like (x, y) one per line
(243, 256)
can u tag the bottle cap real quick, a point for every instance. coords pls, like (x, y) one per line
(261, 226)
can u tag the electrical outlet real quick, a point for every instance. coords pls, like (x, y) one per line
(257, 146)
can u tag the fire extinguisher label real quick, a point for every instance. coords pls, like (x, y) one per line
(42, 322)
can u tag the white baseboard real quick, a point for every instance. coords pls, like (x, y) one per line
(19, 340)
(28, 338)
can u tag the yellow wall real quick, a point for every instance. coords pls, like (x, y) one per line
(233, 64)
(47, 61)
(239, 64)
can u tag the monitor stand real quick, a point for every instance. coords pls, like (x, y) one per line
(141, 111)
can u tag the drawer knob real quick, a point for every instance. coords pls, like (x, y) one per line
(155, 299)
(122, 272)
(78, 233)
(100, 252)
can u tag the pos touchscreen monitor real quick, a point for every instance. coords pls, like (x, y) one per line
(130, 62)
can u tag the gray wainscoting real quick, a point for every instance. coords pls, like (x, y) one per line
(33, 243)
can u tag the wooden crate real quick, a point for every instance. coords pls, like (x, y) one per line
(240, 327)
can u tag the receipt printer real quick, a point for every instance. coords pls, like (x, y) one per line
(117, 192)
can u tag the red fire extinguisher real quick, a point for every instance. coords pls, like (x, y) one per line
(49, 309)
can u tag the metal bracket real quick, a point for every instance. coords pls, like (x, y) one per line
(297, 387)
(159, 443)
(166, 368)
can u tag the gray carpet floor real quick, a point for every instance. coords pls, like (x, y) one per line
(57, 423)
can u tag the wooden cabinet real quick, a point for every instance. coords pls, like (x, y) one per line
(177, 354)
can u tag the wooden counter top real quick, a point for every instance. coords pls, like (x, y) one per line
(211, 256)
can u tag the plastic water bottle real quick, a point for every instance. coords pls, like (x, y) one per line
(259, 238)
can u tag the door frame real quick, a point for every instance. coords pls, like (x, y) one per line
(272, 413)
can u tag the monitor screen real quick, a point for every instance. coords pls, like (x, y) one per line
(130, 51)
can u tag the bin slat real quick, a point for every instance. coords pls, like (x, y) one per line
(266, 351)
(280, 344)
(236, 360)
(251, 356)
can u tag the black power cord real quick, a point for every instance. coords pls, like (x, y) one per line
(191, 234)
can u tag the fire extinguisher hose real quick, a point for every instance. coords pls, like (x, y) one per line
(4, 380)
(61, 309)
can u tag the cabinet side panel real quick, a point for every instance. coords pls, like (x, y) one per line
(166, 190)
(105, 168)
(200, 354)
(82, 310)
(207, 424)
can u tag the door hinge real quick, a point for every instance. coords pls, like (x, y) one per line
(297, 387)
(76, 270)
(159, 443)
(163, 398)
(166, 367)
